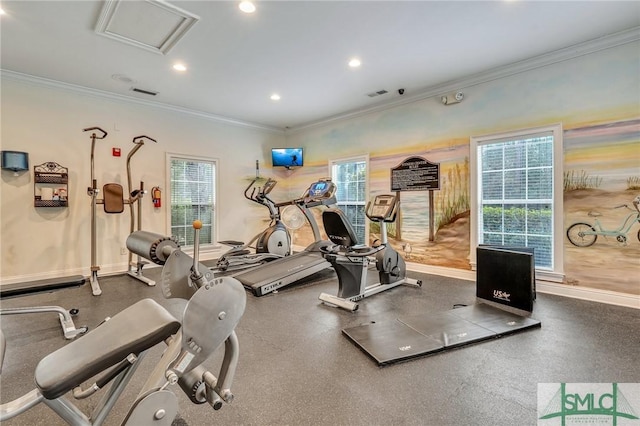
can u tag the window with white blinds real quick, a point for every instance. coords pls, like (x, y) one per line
(350, 177)
(516, 193)
(192, 197)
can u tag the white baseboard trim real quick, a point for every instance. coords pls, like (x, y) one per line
(583, 293)
(44, 276)
(105, 270)
(590, 294)
(548, 287)
(460, 274)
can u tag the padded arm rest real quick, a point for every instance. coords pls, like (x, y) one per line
(353, 251)
(364, 250)
(134, 330)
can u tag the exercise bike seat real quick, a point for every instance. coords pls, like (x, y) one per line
(133, 330)
(343, 236)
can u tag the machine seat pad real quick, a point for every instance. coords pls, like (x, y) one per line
(135, 329)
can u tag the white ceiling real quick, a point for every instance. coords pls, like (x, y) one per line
(300, 50)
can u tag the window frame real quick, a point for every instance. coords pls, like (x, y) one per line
(169, 156)
(557, 273)
(355, 159)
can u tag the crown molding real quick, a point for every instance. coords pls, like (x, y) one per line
(561, 55)
(74, 88)
(567, 53)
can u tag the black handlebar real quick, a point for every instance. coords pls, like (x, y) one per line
(143, 137)
(104, 134)
(268, 186)
(261, 195)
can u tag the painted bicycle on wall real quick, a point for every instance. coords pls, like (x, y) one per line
(582, 234)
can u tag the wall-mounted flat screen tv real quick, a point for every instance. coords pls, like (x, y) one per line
(287, 157)
(15, 160)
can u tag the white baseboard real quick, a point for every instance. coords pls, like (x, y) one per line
(105, 270)
(44, 276)
(543, 286)
(591, 294)
(583, 293)
(460, 274)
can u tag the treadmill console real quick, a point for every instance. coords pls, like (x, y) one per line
(383, 208)
(320, 192)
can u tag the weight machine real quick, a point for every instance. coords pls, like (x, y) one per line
(112, 351)
(113, 201)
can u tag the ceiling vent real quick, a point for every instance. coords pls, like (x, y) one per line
(153, 25)
(144, 92)
(378, 93)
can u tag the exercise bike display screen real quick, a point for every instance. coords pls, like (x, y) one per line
(382, 207)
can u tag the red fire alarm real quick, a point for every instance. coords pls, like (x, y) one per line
(116, 152)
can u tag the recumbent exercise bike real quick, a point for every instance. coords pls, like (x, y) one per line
(351, 260)
(114, 349)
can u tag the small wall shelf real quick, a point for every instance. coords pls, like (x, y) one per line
(51, 176)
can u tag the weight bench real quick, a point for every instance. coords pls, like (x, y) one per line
(25, 289)
(132, 331)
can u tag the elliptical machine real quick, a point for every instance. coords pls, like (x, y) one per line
(351, 260)
(272, 243)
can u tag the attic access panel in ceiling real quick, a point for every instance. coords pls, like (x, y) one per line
(152, 25)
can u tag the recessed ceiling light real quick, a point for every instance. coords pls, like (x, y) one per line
(275, 97)
(179, 67)
(355, 63)
(247, 6)
(1, 11)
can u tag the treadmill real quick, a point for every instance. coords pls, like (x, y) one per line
(287, 270)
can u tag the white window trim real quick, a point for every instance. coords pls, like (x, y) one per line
(557, 275)
(167, 189)
(353, 159)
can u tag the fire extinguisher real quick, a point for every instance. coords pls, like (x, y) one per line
(156, 196)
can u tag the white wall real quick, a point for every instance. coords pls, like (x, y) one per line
(47, 122)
